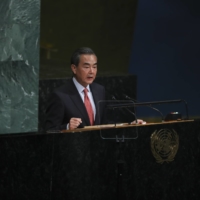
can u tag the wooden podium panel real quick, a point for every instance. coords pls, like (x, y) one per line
(162, 162)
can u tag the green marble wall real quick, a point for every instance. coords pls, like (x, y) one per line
(19, 65)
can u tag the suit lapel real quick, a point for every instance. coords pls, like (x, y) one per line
(78, 102)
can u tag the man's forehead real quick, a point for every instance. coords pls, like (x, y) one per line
(88, 58)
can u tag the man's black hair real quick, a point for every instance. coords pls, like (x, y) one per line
(76, 55)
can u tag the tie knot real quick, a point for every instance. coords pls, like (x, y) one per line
(85, 91)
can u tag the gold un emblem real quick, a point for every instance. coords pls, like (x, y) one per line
(164, 145)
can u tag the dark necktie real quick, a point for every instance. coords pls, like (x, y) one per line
(88, 106)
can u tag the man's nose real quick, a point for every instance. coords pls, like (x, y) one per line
(91, 69)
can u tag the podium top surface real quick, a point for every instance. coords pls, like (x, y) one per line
(116, 126)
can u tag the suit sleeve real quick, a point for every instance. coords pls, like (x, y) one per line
(55, 113)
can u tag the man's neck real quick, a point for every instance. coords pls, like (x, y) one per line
(78, 85)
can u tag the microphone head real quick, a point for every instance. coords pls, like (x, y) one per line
(126, 96)
(113, 97)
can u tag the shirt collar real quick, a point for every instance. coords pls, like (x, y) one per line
(79, 87)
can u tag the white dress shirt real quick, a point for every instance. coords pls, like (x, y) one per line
(80, 89)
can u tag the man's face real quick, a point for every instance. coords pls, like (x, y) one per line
(86, 70)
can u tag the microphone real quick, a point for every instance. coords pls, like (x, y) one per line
(127, 97)
(124, 105)
(113, 97)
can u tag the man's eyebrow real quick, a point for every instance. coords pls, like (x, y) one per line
(89, 63)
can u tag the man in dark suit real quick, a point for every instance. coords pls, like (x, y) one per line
(79, 102)
(68, 105)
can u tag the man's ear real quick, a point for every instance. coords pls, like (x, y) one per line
(73, 68)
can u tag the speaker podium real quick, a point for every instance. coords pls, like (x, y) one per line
(122, 161)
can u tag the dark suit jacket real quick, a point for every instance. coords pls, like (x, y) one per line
(65, 103)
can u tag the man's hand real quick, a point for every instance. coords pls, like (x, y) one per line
(139, 121)
(74, 123)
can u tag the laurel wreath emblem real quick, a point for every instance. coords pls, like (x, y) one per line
(164, 145)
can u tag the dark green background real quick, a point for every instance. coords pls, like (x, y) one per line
(104, 25)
